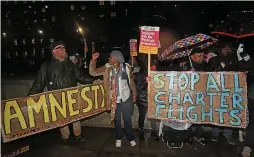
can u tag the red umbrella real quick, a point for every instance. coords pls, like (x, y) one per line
(236, 26)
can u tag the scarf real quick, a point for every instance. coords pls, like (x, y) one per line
(115, 88)
(114, 95)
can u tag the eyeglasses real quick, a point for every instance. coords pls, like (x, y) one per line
(60, 47)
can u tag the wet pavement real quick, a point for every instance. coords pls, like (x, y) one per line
(100, 143)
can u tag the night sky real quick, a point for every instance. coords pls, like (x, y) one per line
(28, 27)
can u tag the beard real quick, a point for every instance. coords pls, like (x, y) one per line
(61, 55)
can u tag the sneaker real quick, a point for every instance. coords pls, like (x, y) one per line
(155, 136)
(118, 143)
(133, 143)
(215, 138)
(231, 140)
(201, 140)
(80, 138)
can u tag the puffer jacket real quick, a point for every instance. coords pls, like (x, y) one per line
(56, 75)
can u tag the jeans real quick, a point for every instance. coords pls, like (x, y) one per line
(125, 109)
(227, 132)
(141, 118)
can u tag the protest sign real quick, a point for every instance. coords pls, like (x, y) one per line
(218, 98)
(133, 47)
(149, 40)
(22, 117)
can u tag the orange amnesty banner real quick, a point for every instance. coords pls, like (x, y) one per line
(22, 117)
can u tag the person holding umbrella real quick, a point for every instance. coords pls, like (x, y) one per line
(193, 50)
(196, 63)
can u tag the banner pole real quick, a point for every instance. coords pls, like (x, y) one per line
(148, 71)
(131, 61)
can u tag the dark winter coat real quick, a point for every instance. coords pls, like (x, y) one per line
(140, 79)
(141, 88)
(56, 75)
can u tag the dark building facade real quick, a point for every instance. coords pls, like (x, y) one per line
(28, 27)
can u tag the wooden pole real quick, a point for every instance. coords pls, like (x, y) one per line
(131, 61)
(148, 71)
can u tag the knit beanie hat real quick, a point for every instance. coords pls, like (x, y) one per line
(54, 44)
(118, 56)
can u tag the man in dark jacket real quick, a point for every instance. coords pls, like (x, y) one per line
(59, 73)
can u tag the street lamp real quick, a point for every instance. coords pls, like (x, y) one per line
(40, 31)
(80, 30)
(4, 34)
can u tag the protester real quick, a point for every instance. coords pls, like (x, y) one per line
(120, 92)
(59, 73)
(249, 140)
(246, 64)
(184, 64)
(226, 61)
(142, 104)
(76, 59)
(197, 63)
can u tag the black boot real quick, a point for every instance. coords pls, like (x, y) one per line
(141, 134)
(65, 143)
(155, 136)
(189, 141)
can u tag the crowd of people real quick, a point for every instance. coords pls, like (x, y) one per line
(124, 88)
(223, 58)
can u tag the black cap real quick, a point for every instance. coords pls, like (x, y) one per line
(54, 44)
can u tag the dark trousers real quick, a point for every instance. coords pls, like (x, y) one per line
(124, 108)
(142, 115)
(249, 141)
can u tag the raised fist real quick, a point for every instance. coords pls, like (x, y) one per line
(95, 55)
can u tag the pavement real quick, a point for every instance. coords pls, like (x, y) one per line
(100, 143)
